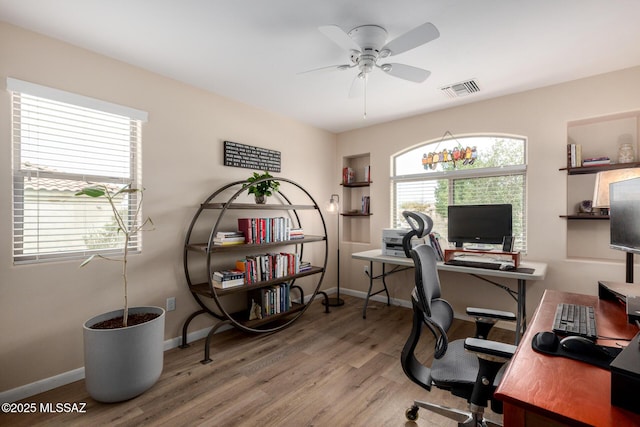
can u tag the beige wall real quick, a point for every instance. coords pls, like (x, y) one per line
(43, 307)
(539, 115)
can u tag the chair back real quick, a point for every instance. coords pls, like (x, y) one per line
(421, 225)
(437, 313)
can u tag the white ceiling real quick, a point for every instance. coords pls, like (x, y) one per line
(254, 50)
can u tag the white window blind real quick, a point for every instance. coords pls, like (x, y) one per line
(497, 176)
(58, 149)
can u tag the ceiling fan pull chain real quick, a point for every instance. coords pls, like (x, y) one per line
(365, 96)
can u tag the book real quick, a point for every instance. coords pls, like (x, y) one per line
(227, 242)
(265, 230)
(227, 234)
(365, 205)
(596, 161)
(348, 175)
(574, 155)
(227, 275)
(226, 284)
(271, 300)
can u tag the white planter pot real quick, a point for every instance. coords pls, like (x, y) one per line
(123, 363)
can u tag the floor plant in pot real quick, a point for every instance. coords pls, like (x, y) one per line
(123, 349)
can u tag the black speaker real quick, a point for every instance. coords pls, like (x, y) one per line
(507, 244)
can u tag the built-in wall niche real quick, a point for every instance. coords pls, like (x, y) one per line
(588, 236)
(601, 136)
(356, 181)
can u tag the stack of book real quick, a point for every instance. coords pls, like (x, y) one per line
(296, 234)
(348, 175)
(596, 161)
(260, 268)
(305, 265)
(228, 279)
(366, 205)
(223, 238)
(272, 300)
(265, 230)
(574, 155)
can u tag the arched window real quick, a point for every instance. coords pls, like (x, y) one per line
(461, 170)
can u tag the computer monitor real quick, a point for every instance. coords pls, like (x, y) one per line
(479, 224)
(624, 215)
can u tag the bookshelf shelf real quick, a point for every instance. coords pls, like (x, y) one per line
(202, 257)
(587, 217)
(595, 169)
(356, 184)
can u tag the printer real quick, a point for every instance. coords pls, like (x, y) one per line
(392, 241)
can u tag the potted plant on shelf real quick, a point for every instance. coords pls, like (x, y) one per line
(123, 349)
(262, 186)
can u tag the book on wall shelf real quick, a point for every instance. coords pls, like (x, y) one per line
(366, 208)
(348, 175)
(574, 155)
(596, 161)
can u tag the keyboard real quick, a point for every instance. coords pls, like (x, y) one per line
(574, 319)
(481, 264)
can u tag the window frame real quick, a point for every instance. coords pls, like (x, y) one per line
(19, 89)
(453, 175)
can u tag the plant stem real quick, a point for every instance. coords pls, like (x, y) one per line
(125, 314)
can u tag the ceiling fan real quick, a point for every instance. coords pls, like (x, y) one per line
(367, 44)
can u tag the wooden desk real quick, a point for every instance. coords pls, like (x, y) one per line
(538, 389)
(402, 263)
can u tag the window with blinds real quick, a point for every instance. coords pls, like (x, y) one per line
(64, 142)
(466, 170)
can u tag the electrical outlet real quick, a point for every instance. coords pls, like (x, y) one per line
(171, 304)
(366, 270)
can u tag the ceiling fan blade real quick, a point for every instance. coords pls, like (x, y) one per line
(328, 68)
(406, 72)
(339, 37)
(413, 38)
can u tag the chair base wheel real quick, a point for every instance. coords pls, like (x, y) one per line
(412, 413)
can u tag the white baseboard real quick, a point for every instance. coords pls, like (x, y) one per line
(64, 378)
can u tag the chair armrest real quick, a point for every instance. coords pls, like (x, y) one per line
(492, 314)
(493, 349)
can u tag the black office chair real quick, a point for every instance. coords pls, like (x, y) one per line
(468, 368)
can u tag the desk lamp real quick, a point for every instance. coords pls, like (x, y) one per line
(333, 207)
(603, 180)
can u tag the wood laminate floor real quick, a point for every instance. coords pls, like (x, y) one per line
(334, 369)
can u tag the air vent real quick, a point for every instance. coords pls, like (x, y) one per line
(457, 90)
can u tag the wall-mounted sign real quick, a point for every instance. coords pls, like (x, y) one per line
(250, 157)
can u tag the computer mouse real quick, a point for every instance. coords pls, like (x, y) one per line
(506, 266)
(546, 341)
(583, 346)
